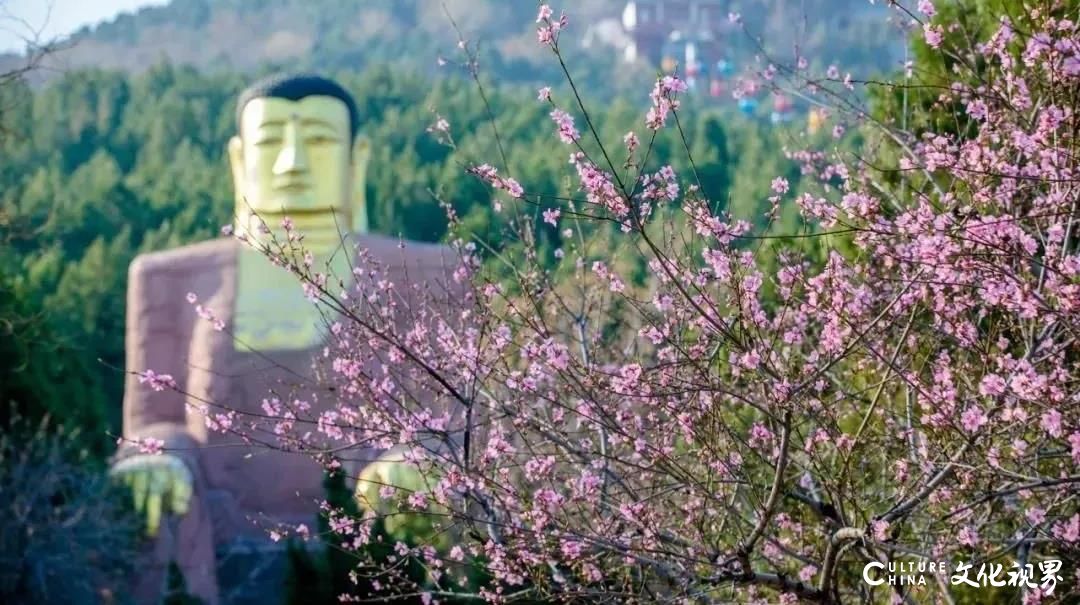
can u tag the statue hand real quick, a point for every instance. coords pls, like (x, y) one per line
(159, 483)
(401, 522)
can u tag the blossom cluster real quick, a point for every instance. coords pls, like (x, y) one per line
(676, 407)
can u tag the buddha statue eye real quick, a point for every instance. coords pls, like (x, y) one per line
(320, 139)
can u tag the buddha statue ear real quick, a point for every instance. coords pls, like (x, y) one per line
(361, 153)
(236, 164)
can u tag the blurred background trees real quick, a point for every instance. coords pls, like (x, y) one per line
(108, 165)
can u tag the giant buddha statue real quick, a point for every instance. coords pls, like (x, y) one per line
(297, 154)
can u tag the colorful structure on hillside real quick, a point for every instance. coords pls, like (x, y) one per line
(651, 23)
(696, 39)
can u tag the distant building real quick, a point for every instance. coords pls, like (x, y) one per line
(607, 33)
(652, 23)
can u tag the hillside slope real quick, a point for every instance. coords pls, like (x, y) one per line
(252, 35)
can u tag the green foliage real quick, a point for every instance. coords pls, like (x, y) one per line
(115, 165)
(66, 533)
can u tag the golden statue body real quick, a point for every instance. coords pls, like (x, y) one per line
(297, 155)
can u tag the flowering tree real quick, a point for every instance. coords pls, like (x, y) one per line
(677, 404)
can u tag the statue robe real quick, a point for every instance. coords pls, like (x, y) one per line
(239, 488)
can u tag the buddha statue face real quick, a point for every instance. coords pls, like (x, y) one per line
(297, 155)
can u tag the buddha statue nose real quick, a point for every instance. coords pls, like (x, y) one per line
(292, 161)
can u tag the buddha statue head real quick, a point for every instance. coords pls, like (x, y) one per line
(298, 153)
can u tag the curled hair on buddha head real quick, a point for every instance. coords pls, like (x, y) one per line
(294, 87)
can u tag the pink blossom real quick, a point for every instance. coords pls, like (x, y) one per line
(567, 131)
(157, 382)
(150, 445)
(992, 385)
(513, 188)
(1071, 66)
(973, 419)
(551, 216)
(759, 435)
(1068, 531)
(750, 360)
(1035, 515)
(572, 550)
(968, 536)
(933, 35)
(417, 500)
(663, 100)
(1051, 423)
(880, 529)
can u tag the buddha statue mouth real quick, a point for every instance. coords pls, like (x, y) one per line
(293, 187)
(314, 215)
(294, 199)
